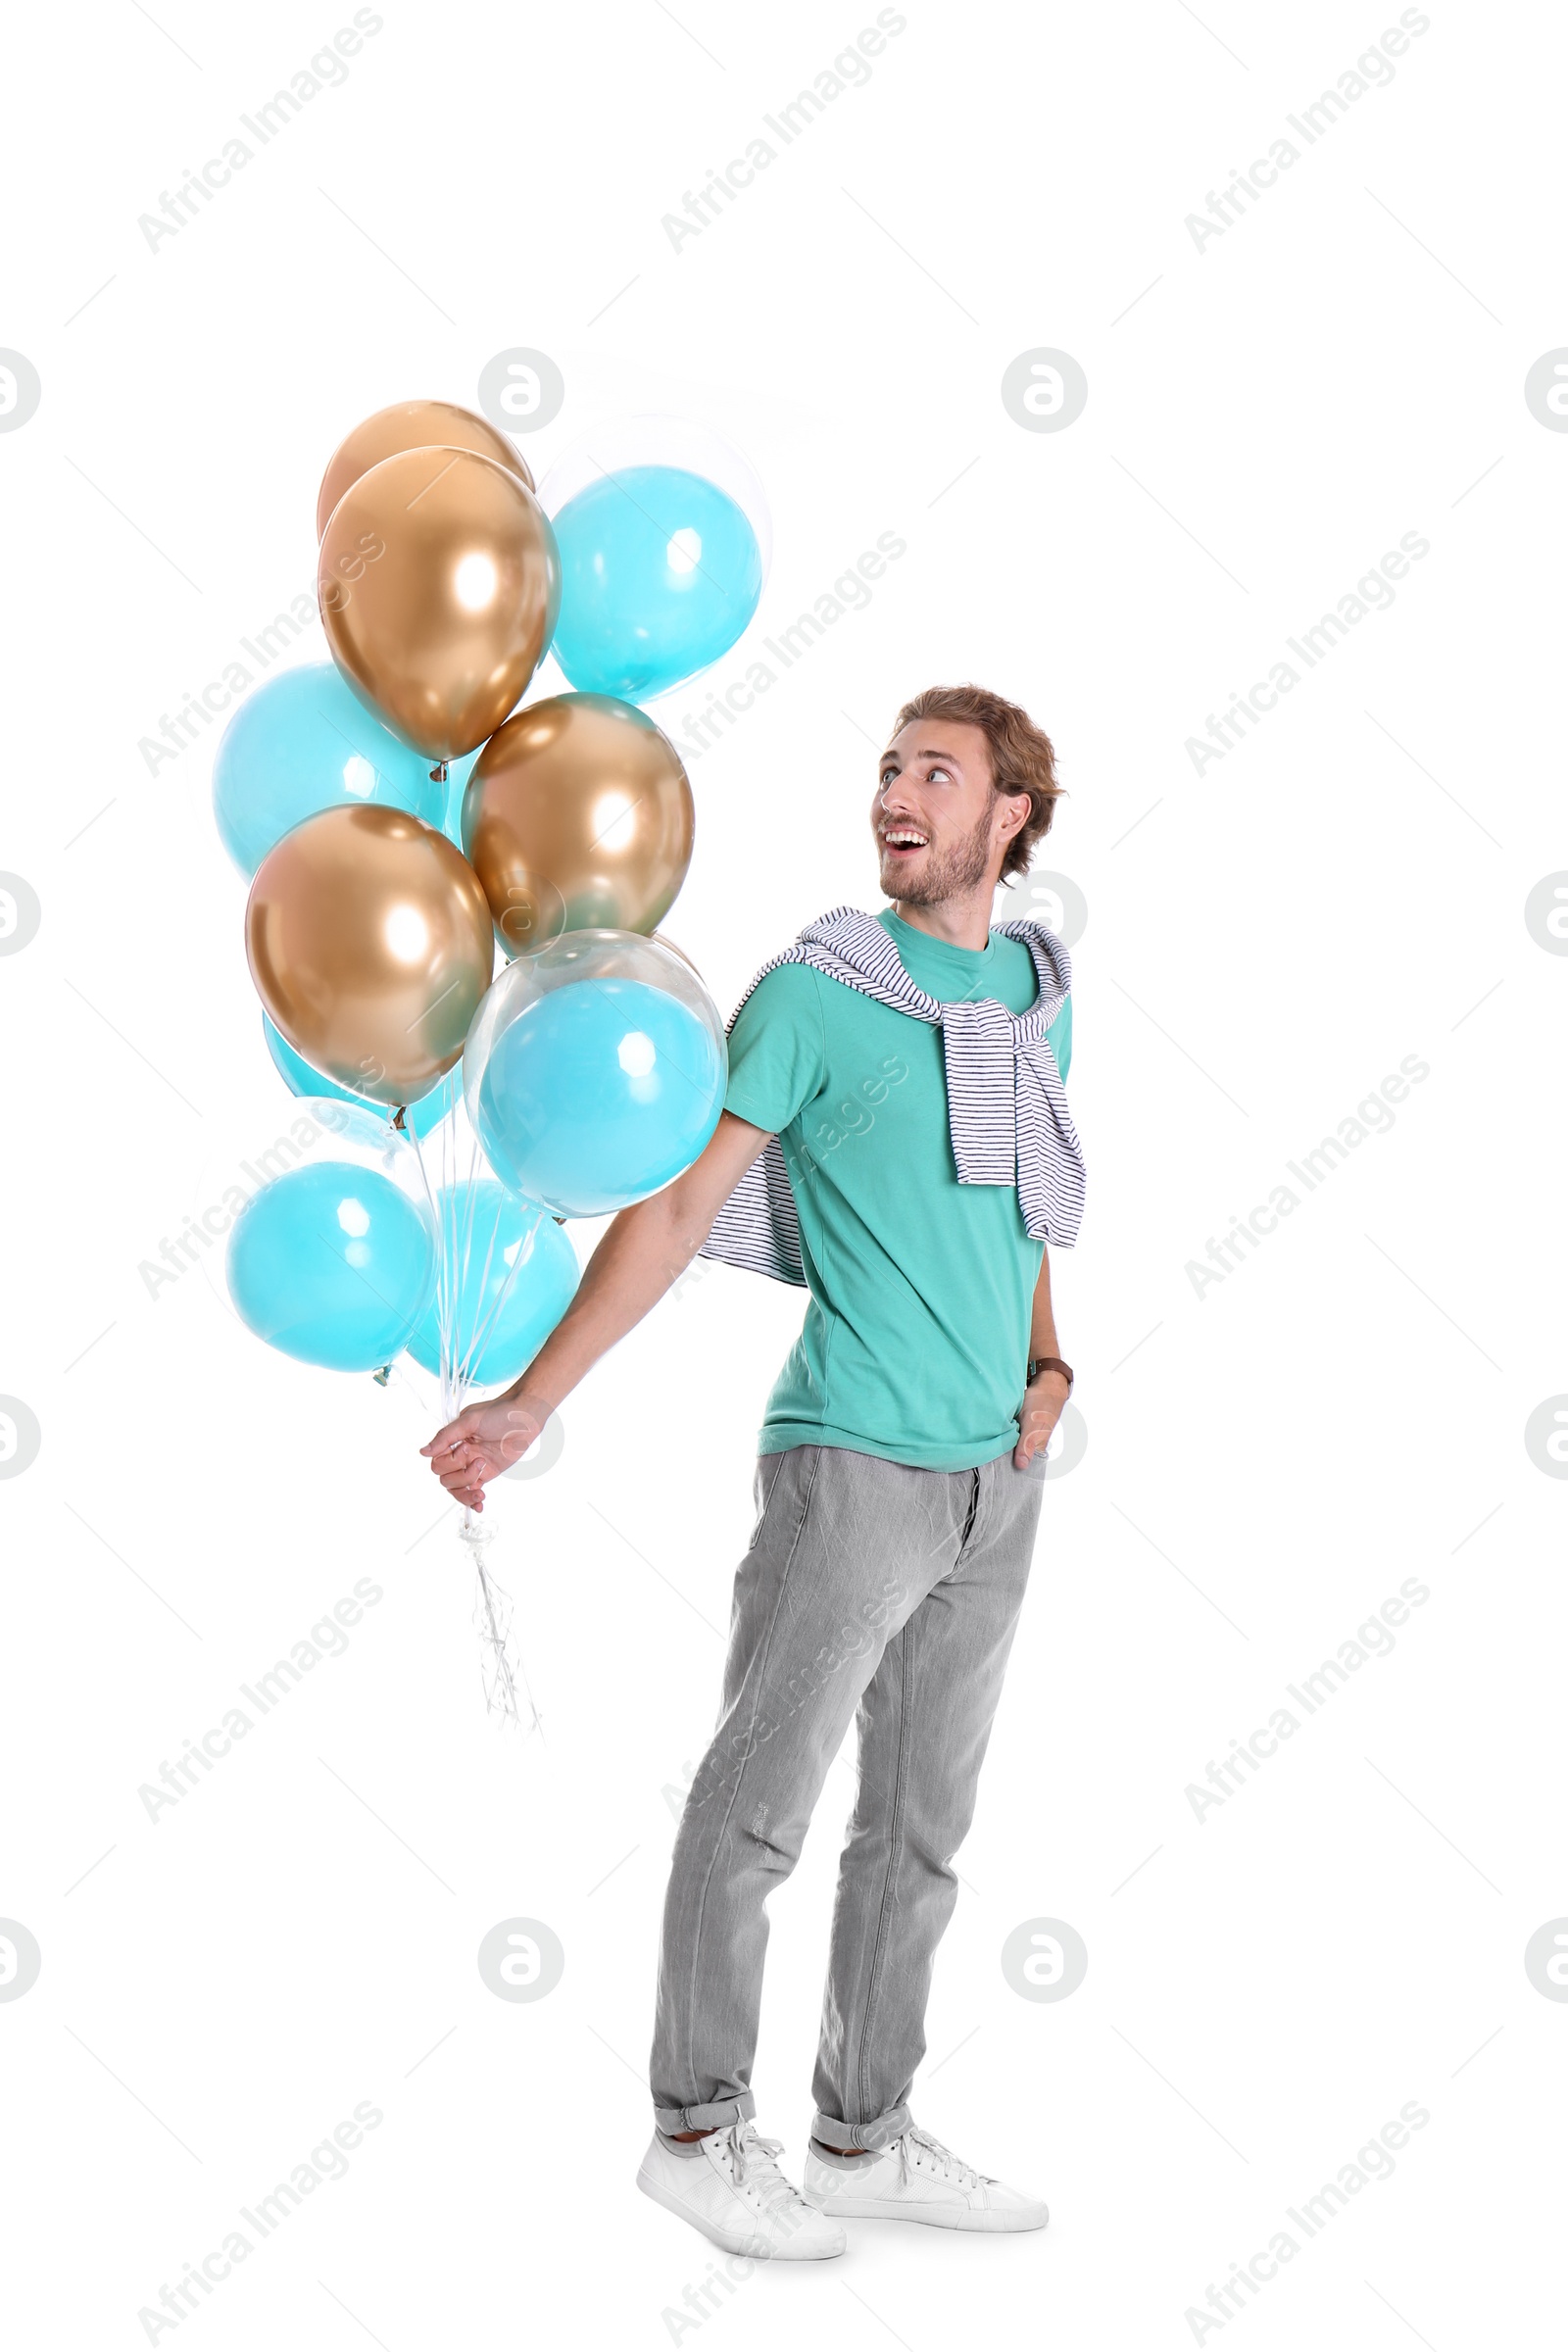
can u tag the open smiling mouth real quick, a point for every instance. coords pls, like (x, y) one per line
(902, 840)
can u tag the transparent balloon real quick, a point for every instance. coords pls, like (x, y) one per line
(594, 1071)
(333, 1259)
(665, 540)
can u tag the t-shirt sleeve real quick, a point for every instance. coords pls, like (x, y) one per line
(1058, 1037)
(777, 1050)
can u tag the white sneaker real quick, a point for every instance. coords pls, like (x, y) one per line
(730, 2188)
(917, 2180)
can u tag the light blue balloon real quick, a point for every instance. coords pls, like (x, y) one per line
(516, 1284)
(303, 742)
(299, 1079)
(599, 1093)
(659, 573)
(332, 1264)
(457, 773)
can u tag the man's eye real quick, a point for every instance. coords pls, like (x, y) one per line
(940, 775)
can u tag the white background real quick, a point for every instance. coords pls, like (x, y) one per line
(1265, 1464)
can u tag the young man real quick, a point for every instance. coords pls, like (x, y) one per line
(895, 1138)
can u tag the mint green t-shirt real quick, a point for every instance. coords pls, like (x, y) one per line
(916, 1336)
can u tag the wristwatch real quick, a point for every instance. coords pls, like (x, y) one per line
(1048, 1363)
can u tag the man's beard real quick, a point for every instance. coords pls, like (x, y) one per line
(957, 869)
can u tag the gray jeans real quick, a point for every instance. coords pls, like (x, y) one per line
(867, 1587)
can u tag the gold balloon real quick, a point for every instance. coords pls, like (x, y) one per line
(578, 816)
(368, 940)
(411, 425)
(439, 584)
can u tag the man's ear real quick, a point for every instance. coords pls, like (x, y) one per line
(1017, 806)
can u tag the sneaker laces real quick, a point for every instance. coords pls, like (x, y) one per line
(756, 2170)
(952, 2168)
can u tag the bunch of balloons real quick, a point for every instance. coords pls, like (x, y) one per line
(401, 818)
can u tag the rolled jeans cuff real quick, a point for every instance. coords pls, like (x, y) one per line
(860, 2138)
(716, 2115)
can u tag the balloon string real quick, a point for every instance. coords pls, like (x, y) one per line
(464, 1204)
(440, 1264)
(457, 1266)
(471, 1194)
(451, 1294)
(454, 1215)
(481, 1338)
(473, 1347)
(494, 1615)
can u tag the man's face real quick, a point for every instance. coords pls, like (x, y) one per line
(938, 820)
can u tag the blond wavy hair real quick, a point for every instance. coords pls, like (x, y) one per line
(1022, 757)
